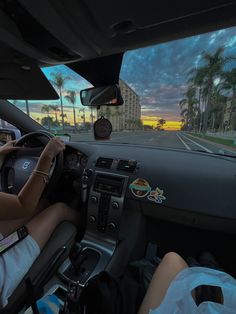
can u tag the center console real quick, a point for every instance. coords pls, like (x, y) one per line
(105, 205)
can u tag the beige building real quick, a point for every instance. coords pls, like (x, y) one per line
(126, 116)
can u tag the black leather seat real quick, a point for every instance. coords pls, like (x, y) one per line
(58, 247)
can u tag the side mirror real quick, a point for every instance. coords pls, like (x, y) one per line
(98, 96)
(7, 135)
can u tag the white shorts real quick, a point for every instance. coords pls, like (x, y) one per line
(14, 264)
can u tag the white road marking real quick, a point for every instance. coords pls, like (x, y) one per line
(183, 142)
(201, 146)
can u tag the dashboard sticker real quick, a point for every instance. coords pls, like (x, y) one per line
(157, 196)
(140, 187)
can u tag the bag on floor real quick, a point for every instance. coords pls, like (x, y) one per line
(105, 294)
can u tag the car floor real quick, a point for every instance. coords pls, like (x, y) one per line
(188, 241)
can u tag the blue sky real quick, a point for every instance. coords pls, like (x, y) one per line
(159, 73)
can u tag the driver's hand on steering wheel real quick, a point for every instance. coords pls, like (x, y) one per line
(53, 148)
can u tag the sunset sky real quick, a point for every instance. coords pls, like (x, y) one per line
(158, 74)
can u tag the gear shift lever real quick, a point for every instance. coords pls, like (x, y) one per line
(74, 257)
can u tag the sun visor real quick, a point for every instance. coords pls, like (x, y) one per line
(24, 82)
(100, 71)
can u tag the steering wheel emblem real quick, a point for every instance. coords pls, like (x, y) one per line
(25, 165)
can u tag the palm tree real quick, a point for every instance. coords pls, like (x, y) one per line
(59, 82)
(188, 107)
(197, 81)
(160, 123)
(229, 85)
(46, 109)
(213, 68)
(71, 98)
(55, 109)
(92, 116)
(83, 115)
(64, 117)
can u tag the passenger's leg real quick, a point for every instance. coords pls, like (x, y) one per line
(169, 267)
(42, 226)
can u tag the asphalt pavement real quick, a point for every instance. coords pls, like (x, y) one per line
(179, 140)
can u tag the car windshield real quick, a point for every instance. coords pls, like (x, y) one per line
(180, 94)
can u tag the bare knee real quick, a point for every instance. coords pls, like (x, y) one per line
(174, 259)
(60, 208)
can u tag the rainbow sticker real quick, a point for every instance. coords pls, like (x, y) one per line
(140, 187)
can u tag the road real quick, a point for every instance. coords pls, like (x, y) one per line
(179, 140)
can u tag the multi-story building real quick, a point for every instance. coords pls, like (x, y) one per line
(126, 116)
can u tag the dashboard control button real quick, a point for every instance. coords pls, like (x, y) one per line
(111, 226)
(92, 219)
(85, 178)
(115, 205)
(94, 199)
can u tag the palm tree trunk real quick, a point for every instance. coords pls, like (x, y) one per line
(62, 112)
(92, 116)
(208, 105)
(213, 121)
(74, 115)
(199, 104)
(27, 107)
(222, 121)
(205, 118)
(49, 124)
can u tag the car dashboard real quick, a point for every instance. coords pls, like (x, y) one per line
(190, 188)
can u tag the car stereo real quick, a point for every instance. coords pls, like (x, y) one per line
(108, 184)
(105, 204)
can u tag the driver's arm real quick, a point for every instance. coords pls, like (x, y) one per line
(24, 204)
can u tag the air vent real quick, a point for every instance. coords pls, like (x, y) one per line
(104, 163)
(127, 165)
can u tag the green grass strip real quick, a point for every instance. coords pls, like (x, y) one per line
(214, 139)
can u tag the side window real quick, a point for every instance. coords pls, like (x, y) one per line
(8, 132)
(5, 125)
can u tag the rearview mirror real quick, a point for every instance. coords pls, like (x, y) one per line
(98, 96)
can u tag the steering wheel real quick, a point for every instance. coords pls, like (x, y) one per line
(18, 166)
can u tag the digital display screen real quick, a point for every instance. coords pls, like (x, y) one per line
(8, 241)
(109, 184)
(105, 187)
